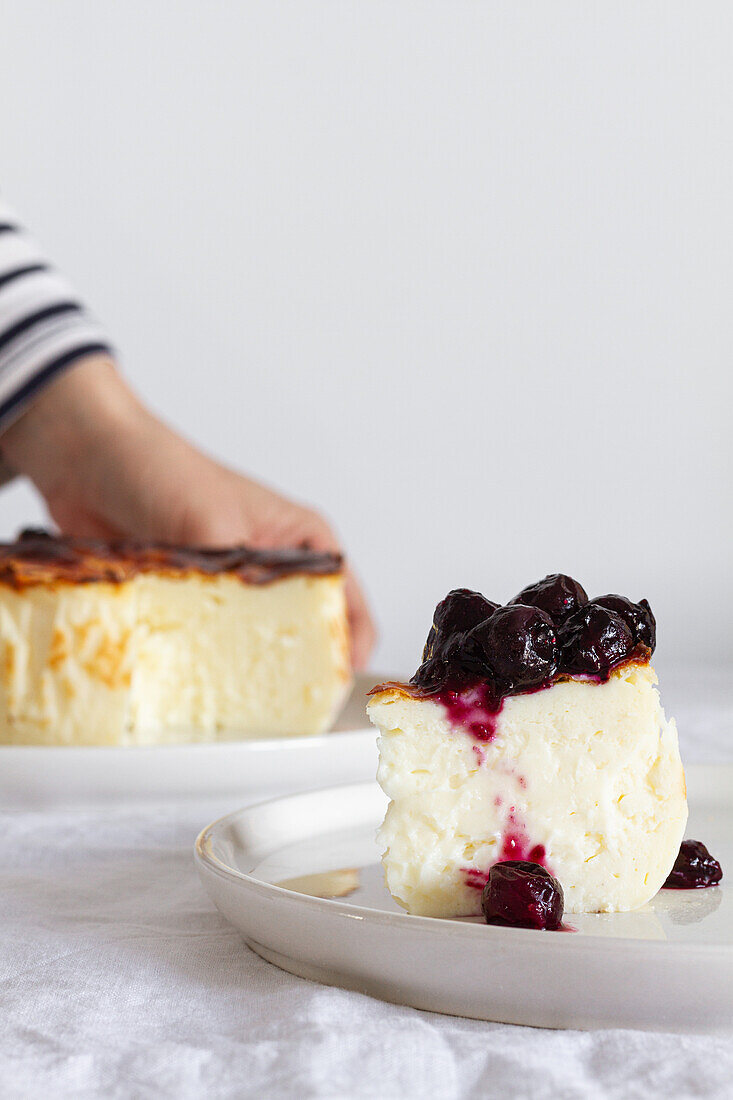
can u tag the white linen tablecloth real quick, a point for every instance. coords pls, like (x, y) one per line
(120, 979)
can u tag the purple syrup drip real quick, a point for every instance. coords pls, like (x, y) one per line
(515, 845)
(475, 879)
(474, 709)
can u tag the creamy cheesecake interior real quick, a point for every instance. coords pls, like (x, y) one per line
(584, 777)
(132, 645)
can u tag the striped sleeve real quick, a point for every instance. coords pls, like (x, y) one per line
(44, 327)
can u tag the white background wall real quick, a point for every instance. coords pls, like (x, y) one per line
(457, 272)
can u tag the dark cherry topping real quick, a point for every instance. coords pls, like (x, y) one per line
(456, 661)
(461, 609)
(457, 613)
(694, 868)
(523, 895)
(549, 631)
(556, 594)
(519, 644)
(638, 617)
(594, 640)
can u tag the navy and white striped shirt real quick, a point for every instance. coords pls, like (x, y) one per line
(44, 327)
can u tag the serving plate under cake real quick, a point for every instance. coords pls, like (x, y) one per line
(667, 966)
(35, 777)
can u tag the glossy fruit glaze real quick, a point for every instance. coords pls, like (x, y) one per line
(522, 894)
(694, 868)
(478, 652)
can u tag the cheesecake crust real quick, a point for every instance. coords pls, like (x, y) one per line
(39, 558)
(640, 656)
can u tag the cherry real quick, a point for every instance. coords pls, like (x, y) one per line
(556, 594)
(694, 868)
(458, 660)
(594, 640)
(522, 894)
(549, 628)
(638, 617)
(458, 612)
(520, 646)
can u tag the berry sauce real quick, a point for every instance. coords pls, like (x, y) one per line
(472, 709)
(522, 894)
(694, 868)
(515, 845)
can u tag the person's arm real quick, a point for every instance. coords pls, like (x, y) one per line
(44, 327)
(103, 463)
(107, 467)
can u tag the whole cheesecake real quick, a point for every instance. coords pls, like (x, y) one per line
(130, 643)
(533, 732)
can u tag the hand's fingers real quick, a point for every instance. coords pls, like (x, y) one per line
(318, 535)
(73, 520)
(311, 529)
(363, 633)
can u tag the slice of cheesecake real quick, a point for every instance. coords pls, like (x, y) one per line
(536, 735)
(136, 644)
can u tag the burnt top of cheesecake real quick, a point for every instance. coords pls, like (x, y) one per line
(549, 632)
(38, 557)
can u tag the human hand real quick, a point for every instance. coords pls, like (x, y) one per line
(108, 468)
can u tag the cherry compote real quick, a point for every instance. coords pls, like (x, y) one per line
(549, 630)
(556, 594)
(523, 895)
(694, 868)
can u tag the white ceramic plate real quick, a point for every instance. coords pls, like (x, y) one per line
(41, 777)
(667, 966)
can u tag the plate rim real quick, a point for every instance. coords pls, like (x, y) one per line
(259, 744)
(206, 860)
